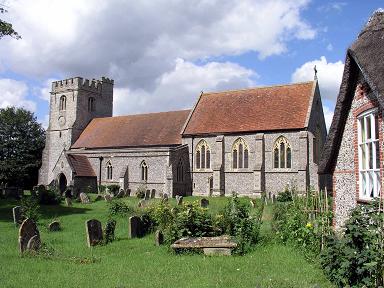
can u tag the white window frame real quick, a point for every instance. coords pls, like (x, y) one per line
(372, 175)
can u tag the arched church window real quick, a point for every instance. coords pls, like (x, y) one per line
(144, 171)
(109, 170)
(240, 154)
(63, 103)
(203, 155)
(180, 172)
(282, 153)
(91, 104)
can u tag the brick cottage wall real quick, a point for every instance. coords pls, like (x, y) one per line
(346, 174)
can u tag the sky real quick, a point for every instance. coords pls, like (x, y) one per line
(162, 54)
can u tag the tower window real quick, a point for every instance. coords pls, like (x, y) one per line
(144, 171)
(91, 104)
(63, 103)
(240, 154)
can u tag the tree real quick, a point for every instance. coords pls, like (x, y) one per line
(21, 145)
(6, 28)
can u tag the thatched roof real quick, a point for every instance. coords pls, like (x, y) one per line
(365, 55)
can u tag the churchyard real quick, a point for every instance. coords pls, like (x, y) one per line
(66, 260)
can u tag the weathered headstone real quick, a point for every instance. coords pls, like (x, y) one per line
(99, 197)
(128, 192)
(179, 200)
(253, 203)
(84, 198)
(94, 232)
(147, 194)
(164, 198)
(159, 238)
(135, 227)
(34, 243)
(142, 203)
(54, 226)
(27, 230)
(204, 203)
(153, 193)
(108, 197)
(68, 201)
(110, 230)
(120, 194)
(17, 215)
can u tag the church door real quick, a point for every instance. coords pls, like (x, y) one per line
(62, 183)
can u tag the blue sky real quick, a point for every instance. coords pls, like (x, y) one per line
(161, 54)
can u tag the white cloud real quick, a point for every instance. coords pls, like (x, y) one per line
(330, 47)
(14, 93)
(329, 75)
(180, 88)
(328, 115)
(43, 92)
(136, 42)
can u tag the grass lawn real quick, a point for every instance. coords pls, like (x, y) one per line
(138, 262)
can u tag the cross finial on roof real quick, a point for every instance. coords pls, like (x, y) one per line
(314, 68)
(201, 92)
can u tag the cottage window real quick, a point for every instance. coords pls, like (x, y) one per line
(63, 103)
(369, 155)
(203, 155)
(240, 154)
(109, 170)
(91, 104)
(180, 172)
(282, 153)
(144, 171)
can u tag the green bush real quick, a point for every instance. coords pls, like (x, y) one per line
(118, 208)
(30, 208)
(49, 197)
(356, 259)
(286, 195)
(114, 189)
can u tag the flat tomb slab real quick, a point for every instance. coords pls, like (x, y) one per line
(225, 242)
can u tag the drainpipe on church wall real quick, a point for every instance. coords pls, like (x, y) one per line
(101, 160)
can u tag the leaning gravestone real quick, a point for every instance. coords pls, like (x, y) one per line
(164, 198)
(34, 243)
(135, 227)
(108, 197)
(110, 230)
(120, 194)
(142, 203)
(84, 198)
(204, 203)
(147, 194)
(54, 226)
(179, 200)
(94, 232)
(68, 201)
(159, 238)
(27, 230)
(17, 215)
(153, 193)
(128, 192)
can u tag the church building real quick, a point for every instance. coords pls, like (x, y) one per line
(246, 141)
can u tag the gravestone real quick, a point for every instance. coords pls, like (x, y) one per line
(135, 227)
(34, 191)
(110, 230)
(68, 201)
(34, 243)
(27, 230)
(253, 203)
(153, 193)
(142, 203)
(84, 198)
(108, 197)
(54, 226)
(147, 194)
(179, 200)
(159, 238)
(99, 197)
(94, 232)
(128, 192)
(164, 198)
(204, 203)
(17, 215)
(120, 194)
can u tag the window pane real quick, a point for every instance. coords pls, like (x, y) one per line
(198, 159)
(276, 158)
(246, 158)
(203, 157)
(370, 155)
(364, 185)
(282, 155)
(363, 160)
(362, 130)
(240, 156)
(234, 159)
(208, 159)
(370, 184)
(288, 157)
(368, 128)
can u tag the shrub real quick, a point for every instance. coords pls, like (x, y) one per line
(49, 197)
(286, 195)
(30, 208)
(140, 192)
(114, 189)
(357, 258)
(110, 231)
(118, 208)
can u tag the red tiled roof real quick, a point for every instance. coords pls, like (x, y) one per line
(256, 109)
(81, 165)
(154, 129)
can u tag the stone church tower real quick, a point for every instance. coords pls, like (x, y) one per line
(74, 103)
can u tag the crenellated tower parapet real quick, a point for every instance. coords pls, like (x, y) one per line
(77, 83)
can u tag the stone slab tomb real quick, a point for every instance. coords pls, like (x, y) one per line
(17, 215)
(28, 229)
(94, 232)
(135, 228)
(84, 198)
